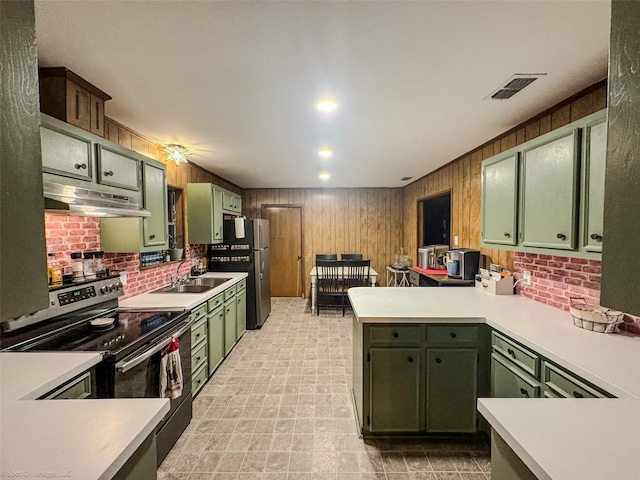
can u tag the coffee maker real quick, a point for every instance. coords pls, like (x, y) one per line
(463, 263)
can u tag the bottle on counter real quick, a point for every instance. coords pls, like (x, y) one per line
(89, 272)
(98, 264)
(77, 266)
(54, 270)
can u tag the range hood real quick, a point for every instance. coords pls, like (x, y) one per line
(72, 200)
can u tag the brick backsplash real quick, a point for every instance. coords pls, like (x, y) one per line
(66, 234)
(554, 279)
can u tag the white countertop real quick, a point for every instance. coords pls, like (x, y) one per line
(87, 439)
(609, 361)
(569, 439)
(559, 439)
(180, 301)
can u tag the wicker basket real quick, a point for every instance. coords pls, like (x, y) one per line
(594, 317)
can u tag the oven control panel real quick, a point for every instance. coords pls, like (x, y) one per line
(76, 295)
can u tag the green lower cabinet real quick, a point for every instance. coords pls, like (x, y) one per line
(229, 324)
(505, 464)
(142, 464)
(216, 338)
(510, 382)
(241, 313)
(451, 389)
(394, 396)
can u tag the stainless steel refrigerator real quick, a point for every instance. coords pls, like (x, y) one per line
(246, 251)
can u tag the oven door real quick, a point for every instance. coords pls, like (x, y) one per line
(138, 375)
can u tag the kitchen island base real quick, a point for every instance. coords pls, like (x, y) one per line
(505, 464)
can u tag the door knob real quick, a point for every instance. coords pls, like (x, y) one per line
(438, 360)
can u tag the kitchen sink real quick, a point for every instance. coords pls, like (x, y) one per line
(195, 285)
(211, 282)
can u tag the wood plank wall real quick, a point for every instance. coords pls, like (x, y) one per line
(463, 175)
(340, 220)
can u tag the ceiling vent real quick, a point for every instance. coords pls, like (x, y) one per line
(404, 179)
(513, 85)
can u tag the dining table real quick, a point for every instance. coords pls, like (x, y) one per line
(313, 275)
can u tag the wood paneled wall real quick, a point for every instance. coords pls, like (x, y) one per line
(340, 220)
(463, 175)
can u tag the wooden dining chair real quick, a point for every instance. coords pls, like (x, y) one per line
(350, 256)
(326, 256)
(329, 284)
(356, 273)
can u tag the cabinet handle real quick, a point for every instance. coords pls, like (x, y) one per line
(80, 166)
(197, 359)
(197, 335)
(151, 237)
(438, 360)
(410, 359)
(561, 236)
(577, 394)
(507, 234)
(524, 393)
(595, 236)
(453, 334)
(108, 173)
(395, 335)
(511, 352)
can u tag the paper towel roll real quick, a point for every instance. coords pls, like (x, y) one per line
(239, 226)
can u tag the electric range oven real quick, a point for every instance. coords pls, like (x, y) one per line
(132, 344)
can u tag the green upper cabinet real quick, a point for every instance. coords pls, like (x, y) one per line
(231, 203)
(64, 152)
(155, 201)
(500, 199)
(549, 192)
(204, 213)
(595, 151)
(135, 234)
(118, 167)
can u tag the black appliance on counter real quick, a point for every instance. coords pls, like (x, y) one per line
(466, 262)
(246, 249)
(132, 345)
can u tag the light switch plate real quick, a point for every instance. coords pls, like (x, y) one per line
(123, 278)
(455, 241)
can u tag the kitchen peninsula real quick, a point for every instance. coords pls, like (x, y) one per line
(417, 328)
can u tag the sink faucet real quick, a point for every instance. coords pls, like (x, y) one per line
(179, 280)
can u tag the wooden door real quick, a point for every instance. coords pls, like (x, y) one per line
(285, 244)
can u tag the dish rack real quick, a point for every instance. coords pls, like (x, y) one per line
(594, 317)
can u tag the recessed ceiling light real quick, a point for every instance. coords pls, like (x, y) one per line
(325, 152)
(327, 105)
(324, 176)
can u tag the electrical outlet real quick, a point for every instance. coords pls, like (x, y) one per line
(526, 277)
(455, 241)
(123, 278)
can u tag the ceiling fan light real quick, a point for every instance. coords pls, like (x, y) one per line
(177, 153)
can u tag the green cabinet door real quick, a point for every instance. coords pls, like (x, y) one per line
(595, 151)
(231, 203)
(155, 201)
(230, 321)
(241, 312)
(394, 390)
(65, 150)
(216, 338)
(451, 389)
(549, 191)
(204, 213)
(117, 167)
(508, 381)
(499, 199)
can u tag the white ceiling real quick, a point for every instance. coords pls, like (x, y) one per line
(237, 81)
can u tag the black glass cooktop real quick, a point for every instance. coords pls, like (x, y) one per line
(128, 330)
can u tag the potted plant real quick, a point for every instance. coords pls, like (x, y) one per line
(175, 252)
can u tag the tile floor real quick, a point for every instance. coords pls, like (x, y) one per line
(279, 408)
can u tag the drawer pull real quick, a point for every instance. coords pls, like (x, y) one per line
(108, 173)
(507, 234)
(438, 360)
(453, 334)
(198, 335)
(410, 359)
(561, 236)
(395, 335)
(197, 359)
(151, 237)
(595, 236)
(511, 352)
(577, 394)
(80, 166)
(524, 393)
